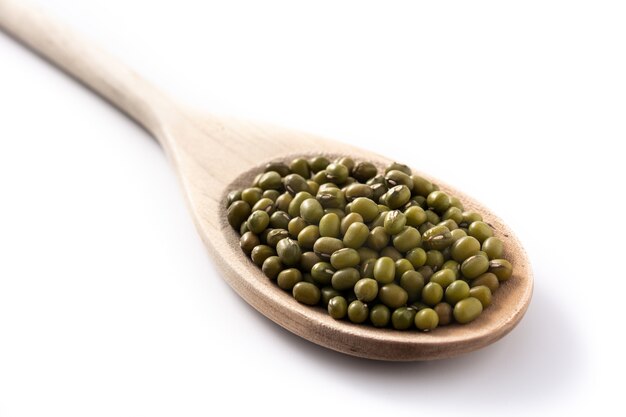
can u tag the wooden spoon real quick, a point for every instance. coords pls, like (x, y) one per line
(215, 155)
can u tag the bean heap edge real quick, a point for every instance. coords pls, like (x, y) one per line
(390, 249)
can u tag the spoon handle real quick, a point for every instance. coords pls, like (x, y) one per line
(87, 63)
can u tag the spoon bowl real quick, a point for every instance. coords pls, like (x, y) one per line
(214, 155)
(206, 182)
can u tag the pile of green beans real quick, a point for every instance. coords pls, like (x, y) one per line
(389, 249)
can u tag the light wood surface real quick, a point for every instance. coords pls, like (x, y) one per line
(215, 155)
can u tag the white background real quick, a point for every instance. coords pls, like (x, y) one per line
(109, 304)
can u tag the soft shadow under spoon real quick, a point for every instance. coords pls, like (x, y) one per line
(215, 155)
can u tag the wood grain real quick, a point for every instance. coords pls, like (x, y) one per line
(215, 155)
